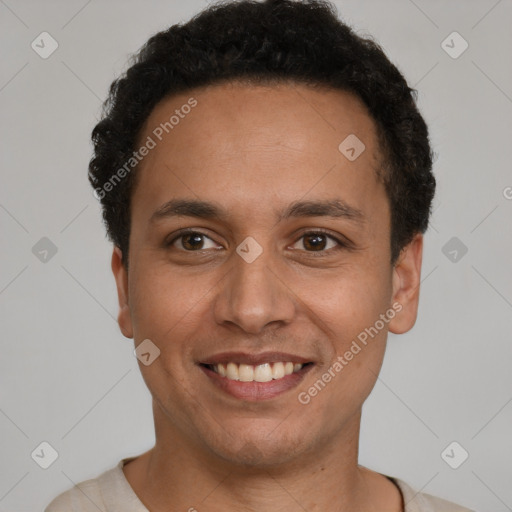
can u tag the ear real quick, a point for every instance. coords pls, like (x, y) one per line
(121, 276)
(406, 285)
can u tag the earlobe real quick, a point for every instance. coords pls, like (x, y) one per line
(406, 286)
(121, 276)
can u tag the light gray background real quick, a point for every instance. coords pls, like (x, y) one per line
(68, 375)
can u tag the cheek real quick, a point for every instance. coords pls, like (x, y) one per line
(163, 301)
(362, 319)
(172, 308)
(349, 300)
(351, 307)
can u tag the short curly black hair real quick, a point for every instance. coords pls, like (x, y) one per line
(271, 41)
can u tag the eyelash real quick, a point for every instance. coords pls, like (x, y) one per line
(341, 244)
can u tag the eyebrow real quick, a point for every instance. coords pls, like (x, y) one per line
(335, 208)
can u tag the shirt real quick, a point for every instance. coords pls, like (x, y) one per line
(111, 492)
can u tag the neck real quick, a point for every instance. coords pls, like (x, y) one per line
(178, 474)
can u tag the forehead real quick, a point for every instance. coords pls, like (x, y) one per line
(241, 143)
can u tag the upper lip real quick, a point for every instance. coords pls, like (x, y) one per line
(253, 359)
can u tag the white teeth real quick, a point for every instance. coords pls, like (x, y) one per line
(246, 372)
(263, 373)
(278, 371)
(231, 371)
(260, 373)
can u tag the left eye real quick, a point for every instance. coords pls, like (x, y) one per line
(318, 241)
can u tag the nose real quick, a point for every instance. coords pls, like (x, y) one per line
(254, 295)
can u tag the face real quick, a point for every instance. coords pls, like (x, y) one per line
(259, 254)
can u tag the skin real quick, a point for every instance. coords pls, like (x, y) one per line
(254, 150)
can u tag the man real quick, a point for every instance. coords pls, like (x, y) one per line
(266, 181)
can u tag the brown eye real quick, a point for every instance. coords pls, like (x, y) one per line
(318, 242)
(315, 242)
(191, 241)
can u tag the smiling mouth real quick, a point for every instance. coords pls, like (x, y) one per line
(265, 372)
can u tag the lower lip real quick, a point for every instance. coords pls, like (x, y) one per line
(255, 391)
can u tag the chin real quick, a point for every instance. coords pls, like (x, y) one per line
(263, 449)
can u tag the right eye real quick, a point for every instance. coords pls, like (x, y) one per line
(190, 241)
